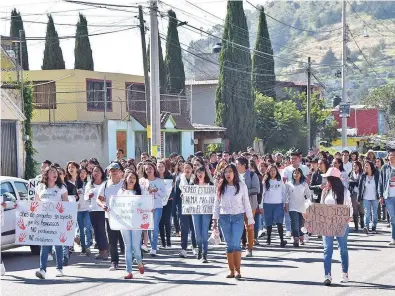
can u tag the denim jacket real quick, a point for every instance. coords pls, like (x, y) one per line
(384, 181)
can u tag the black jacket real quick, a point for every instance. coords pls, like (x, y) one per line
(315, 184)
(361, 187)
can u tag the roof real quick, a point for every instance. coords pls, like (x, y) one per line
(356, 107)
(208, 128)
(13, 179)
(278, 82)
(181, 122)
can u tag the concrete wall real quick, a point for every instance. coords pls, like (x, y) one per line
(203, 103)
(70, 141)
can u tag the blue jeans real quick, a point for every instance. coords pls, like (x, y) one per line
(297, 222)
(287, 222)
(258, 223)
(45, 250)
(232, 228)
(201, 224)
(328, 251)
(132, 240)
(369, 206)
(390, 205)
(84, 224)
(154, 238)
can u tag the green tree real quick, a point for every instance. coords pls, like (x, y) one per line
(162, 66)
(174, 65)
(53, 56)
(16, 25)
(82, 52)
(263, 77)
(264, 114)
(234, 100)
(329, 131)
(30, 163)
(329, 58)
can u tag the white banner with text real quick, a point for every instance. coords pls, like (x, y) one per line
(198, 199)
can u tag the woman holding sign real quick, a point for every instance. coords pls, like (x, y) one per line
(336, 193)
(229, 207)
(132, 238)
(51, 188)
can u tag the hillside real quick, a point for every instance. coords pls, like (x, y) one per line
(319, 35)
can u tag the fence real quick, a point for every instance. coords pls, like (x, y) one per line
(92, 105)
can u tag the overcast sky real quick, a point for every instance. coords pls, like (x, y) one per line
(115, 52)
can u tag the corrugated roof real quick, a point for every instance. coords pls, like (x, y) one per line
(208, 128)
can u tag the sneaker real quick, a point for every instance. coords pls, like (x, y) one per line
(249, 253)
(261, 233)
(141, 268)
(328, 280)
(40, 274)
(366, 231)
(288, 234)
(129, 276)
(283, 244)
(183, 254)
(296, 242)
(195, 251)
(88, 252)
(392, 243)
(204, 259)
(162, 247)
(344, 278)
(77, 240)
(306, 238)
(153, 253)
(144, 248)
(113, 267)
(59, 272)
(50, 257)
(374, 229)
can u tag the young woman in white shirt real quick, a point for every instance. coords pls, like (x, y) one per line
(368, 195)
(51, 188)
(132, 238)
(230, 206)
(274, 206)
(97, 214)
(298, 192)
(83, 219)
(336, 193)
(353, 181)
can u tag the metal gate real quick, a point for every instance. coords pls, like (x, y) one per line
(9, 161)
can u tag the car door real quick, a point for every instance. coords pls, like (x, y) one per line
(9, 196)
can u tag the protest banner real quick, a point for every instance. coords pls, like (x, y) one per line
(45, 223)
(131, 212)
(169, 187)
(31, 186)
(198, 199)
(327, 220)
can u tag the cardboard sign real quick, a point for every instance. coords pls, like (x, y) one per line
(198, 199)
(45, 223)
(169, 187)
(132, 212)
(327, 220)
(31, 186)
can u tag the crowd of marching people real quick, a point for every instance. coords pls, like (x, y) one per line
(254, 194)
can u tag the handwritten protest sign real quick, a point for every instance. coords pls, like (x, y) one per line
(45, 223)
(31, 186)
(198, 199)
(169, 187)
(132, 212)
(327, 220)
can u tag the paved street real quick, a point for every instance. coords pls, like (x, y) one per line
(272, 271)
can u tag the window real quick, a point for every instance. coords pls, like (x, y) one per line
(7, 192)
(44, 94)
(22, 190)
(95, 95)
(135, 97)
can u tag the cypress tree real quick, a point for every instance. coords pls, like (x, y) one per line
(53, 56)
(263, 77)
(82, 51)
(234, 101)
(175, 75)
(162, 66)
(16, 25)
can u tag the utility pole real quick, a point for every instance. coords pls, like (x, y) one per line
(146, 77)
(344, 60)
(309, 103)
(154, 83)
(21, 66)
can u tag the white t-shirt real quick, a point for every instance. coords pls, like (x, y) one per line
(391, 187)
(288, 171)
(50, 194)
(93, 206)
(347, 167)
(275, 194)
(330, 200)
(297, 195)
(370, 189)
(107, 190)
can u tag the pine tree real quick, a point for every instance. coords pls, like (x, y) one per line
(162, 66)
(82, 51)
(234, 101)
(175, 75)
(263, 77)
(16, 25)
(53, 56)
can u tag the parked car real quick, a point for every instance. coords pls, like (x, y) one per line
(12, 190)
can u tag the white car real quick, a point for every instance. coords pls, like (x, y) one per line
(12, 190)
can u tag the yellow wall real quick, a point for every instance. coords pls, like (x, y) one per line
(71, 94)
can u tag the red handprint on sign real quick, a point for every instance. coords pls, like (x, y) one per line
(145, 217)
(69, 225)
(22, 237)
(60, 208)
(62, 237)
(144, 226)
(21, 224)
(33, 206)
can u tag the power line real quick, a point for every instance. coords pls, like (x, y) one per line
(54, 12)
(64, 24)
(374, 15)
(100, 4)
